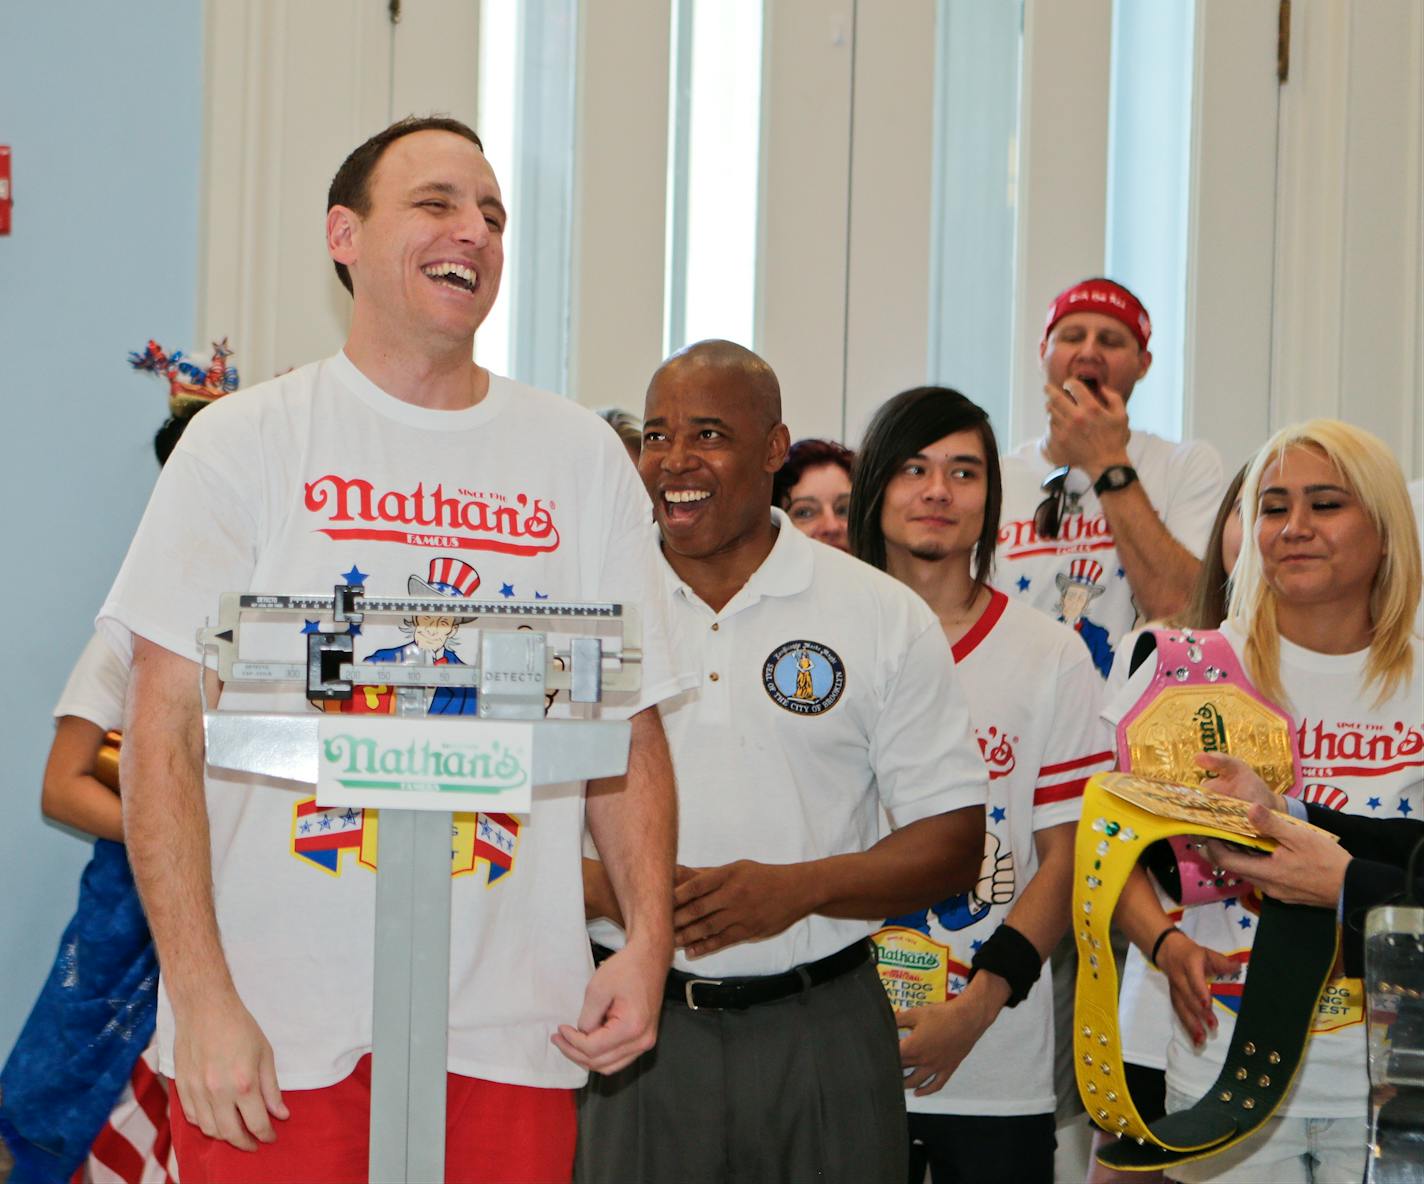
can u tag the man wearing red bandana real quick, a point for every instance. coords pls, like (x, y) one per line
(1091, 493)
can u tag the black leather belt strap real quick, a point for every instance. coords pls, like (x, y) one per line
(737, 994)
(1290, 963)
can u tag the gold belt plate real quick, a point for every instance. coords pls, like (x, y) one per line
(1180, 722)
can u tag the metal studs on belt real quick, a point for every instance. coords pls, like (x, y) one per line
(1224, 1096)
(1182, 673)
(1263, 1081)
(1248, 1104)
(1274, 1058)
(1241, 1074)
(1249, 1049)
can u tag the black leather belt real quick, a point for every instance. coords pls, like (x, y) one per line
(737, 994)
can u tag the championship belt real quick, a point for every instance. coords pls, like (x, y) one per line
(1291, 962)
(1200, 700)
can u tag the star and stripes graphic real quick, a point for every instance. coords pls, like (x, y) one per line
(321, 833)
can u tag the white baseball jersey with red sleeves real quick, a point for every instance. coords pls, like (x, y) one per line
(1033, 698)
(1357, 756)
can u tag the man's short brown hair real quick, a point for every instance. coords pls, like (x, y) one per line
(351, 187)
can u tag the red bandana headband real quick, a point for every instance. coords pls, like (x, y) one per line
(1106, 297)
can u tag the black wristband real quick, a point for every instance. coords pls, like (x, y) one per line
(1157, 945)
(1010, 955)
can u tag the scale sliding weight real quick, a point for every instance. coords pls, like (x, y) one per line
(454, 763)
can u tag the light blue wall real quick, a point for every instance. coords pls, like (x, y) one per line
(102, 104)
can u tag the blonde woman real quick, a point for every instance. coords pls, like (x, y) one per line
(1321, 612)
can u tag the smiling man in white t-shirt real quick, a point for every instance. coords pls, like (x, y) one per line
(399, 457)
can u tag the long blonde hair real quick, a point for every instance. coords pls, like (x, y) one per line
(1374, 476)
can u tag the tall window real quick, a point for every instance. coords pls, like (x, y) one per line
(1149, 159)
(975, 198)
(526, 71)
(713, 166)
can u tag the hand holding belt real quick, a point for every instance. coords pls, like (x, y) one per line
(1291, 962)
(1200, 700)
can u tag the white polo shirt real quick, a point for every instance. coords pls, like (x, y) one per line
(827, 692)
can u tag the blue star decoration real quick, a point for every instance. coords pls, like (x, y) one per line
(325, 822)
(956, 984)
(1023, 583)
(354, 630)
(1244, 922)
(1373, 803)
(354, 576)
(1230, 902)
(506, 590)
(311, 627)
(1121, 574)
(541, 596)
(974, 945)
(998, 813)
(1404, 806)
(305, 826)
(350, 816)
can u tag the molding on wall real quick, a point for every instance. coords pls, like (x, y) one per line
(1063, 167)
(1231, 227)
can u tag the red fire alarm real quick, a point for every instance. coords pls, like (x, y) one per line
(6, 199)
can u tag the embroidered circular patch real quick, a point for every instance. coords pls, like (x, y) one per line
(804, 677)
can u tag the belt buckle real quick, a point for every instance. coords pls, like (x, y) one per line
(692, 982)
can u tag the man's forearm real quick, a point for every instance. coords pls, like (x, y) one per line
(909, 868)
(1041, 911)
(1139, 914)
(166, 823)
(633, 821)
(1160, 571)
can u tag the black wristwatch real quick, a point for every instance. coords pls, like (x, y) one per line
(1114, 477)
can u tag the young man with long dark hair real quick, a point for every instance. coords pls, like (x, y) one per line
(925, 508)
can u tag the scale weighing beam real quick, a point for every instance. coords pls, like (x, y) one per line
(411, 981)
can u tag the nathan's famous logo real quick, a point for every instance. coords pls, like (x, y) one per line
(915, 970)
(433, 518)
(1077, 532)
(1211, 729)
(360, 762)
(1361, 750)
(804, 677)
(997, 749)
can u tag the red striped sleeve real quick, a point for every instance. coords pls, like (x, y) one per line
(1082, 762)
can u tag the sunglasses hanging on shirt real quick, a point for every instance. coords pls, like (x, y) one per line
(1048, 518)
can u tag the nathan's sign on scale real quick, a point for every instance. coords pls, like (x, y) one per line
(414, 764)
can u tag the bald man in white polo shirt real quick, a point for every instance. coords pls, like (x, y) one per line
(827, 695)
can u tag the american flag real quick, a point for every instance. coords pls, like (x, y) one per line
(136, 1145)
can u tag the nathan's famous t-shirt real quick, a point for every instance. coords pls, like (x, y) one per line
(319, 478)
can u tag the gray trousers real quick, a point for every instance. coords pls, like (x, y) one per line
(805, 1088)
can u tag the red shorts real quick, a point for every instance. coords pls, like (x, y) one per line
(494, 1134)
